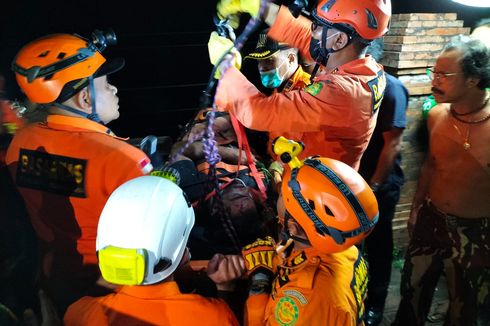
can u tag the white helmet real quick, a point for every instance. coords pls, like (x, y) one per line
(143, 231)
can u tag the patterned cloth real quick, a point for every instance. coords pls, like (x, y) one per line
(459, 247)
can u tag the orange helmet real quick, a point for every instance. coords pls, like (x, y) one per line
(369, 18)
(331, 202)
(44, 66)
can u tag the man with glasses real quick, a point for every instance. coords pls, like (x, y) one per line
(450, 216)
(440, 76)
(337, 112)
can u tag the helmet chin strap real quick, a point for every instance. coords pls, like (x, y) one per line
(323, 52)
(286, 235)
(91, 116)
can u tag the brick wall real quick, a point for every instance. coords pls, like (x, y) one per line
(411, 46)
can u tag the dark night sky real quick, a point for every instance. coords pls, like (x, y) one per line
(164, 44)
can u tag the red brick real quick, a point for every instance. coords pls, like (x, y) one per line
(424, 16)
(411, 71)
(448, 31)
(438, 35)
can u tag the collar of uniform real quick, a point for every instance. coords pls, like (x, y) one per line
(310, 254)
(299, 76)
(63, 122)
(307, 261)
(361, 66)
(155, 291)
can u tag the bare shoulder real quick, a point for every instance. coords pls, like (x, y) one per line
(437, 113)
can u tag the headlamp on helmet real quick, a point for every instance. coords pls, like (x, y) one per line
(44, 66)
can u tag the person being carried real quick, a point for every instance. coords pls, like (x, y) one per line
(240, 215)
(66, 167)
(141, 242)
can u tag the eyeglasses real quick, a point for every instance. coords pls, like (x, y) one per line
(440, 75)
(314, 25)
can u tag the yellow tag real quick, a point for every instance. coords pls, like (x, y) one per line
(122, 266)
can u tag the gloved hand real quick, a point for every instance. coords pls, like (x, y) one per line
(276, 166)
(259, 256)
(217, 47)
(227, 8)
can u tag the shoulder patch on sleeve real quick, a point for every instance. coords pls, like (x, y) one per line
(297, 295)
(359, 285)
(314, 88)
(377, 86)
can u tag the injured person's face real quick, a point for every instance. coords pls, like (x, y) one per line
(238, 200)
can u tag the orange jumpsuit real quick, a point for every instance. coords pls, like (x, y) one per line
(337, 113)
(314, 289)
(159, 304)
(299, 80)
(65, 169)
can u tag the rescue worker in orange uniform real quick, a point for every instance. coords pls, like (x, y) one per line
(66, 167)
(279, 69)
(320, 278)
(337, 113)
(278, 65)
(141, 242)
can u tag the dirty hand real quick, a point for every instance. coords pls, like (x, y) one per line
(224, 269)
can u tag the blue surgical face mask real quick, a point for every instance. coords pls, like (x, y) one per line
(272, 78)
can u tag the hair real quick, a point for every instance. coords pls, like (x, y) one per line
(359, 43)
(475, 61)
(249, 225)
(287, 51)
(375, 49)
(484, 22)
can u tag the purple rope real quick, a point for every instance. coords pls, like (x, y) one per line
(210, 147)
(181, 151)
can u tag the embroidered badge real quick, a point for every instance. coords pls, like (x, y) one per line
(314, 88)
(359, 285)
(297, 295)
(286, 312)
(52, 173)
(377, 87)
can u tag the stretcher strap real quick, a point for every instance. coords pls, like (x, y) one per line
(243, 144)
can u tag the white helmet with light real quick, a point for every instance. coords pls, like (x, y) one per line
(143, 231)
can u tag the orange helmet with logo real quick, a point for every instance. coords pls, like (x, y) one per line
(368, 18)
(332, 203)
(44, 66)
